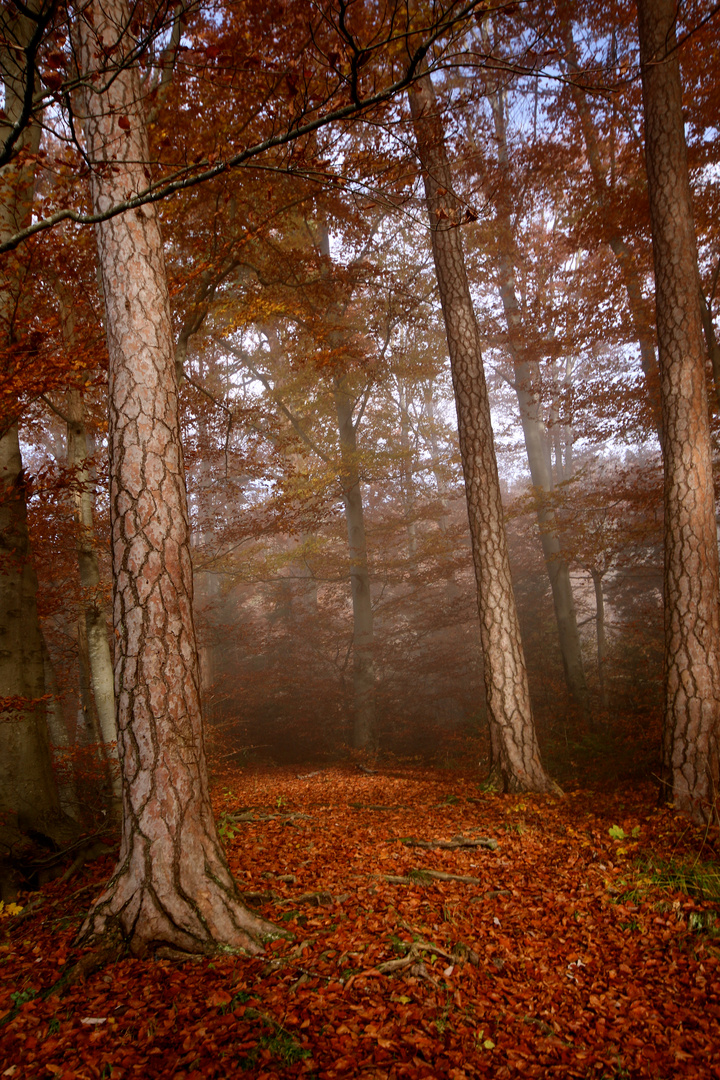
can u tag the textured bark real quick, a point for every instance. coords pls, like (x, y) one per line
(172, 885)
(514, 742)
(364, 725)
(692, 614)
(28, 793)
(527, 388)
(639, 308)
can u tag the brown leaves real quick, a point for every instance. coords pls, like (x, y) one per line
(548, 967)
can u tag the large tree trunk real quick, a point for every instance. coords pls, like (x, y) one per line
(527, 388)
(516, 755)
(171, 885)
(28, 792)
(692, 615)
(364, 723)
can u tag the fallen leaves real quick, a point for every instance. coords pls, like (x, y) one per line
(536, 955)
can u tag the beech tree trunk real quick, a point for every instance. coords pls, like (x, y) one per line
(172, 885)
(364, 721)
(28, 792)
(516, 754)
(692, 593)
(527, 389)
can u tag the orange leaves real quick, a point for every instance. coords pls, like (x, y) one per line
(566, 984)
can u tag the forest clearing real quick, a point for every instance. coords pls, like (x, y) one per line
(580, 945)
(359, 405)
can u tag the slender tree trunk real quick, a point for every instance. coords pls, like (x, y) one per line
(712, 345)
(692, 593)
(60, 742)
(406, 470)
(93, 614)
(364, 725)
(172, 885)
(597, 577)
(28, 792)
(537, 443)
(515, 749)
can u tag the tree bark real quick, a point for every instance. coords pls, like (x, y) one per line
(537, 446)
(28, 791)
(516, 754)
(172, 885)
(692, 594)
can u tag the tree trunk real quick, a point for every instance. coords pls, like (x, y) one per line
(172, 885)
(515, 748)
(406, 470)
(692, 615)
(28, 792)
(597, 577)
(537, 445)
(95, 637)
(364, 722)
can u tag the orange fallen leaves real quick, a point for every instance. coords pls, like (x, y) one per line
(570, 977)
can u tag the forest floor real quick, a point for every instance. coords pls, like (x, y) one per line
(581, 944)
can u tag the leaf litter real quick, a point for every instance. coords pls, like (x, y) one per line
(564, 948)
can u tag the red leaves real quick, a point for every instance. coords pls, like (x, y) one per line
(570, 982)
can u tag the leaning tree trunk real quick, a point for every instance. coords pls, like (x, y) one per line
(172, 885)
(28, 792)
(364, 722)
(692, 615)
(515, 749)
(527, 384)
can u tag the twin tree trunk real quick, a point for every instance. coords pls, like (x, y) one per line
(692, 595)
(516, 755)
(172, 885)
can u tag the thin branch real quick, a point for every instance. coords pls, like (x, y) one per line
(163, 190)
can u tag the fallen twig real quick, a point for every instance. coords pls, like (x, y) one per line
(451, 845)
